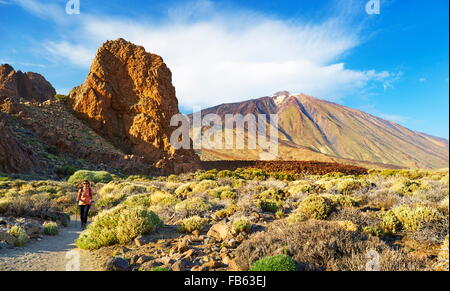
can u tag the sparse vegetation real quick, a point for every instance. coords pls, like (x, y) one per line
(322, 222)
(92, 176)
(50, 228)
(275, 263)
(191, 224)
(20, 234)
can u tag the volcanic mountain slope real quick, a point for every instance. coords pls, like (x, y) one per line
(313, 129)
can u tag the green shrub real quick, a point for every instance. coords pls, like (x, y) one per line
(205, 185)
(110, 200)
(143, 200)
(269, 205)
(50, 228)
(226, 212)
(184, 190)
(192, 224)
(61, 97)
(193, 205)
(92, 176)
(20, 234)
(160, 269)
(163, 198)
(343, 200)
(313, 206)
(173, 178)
(409, 218)
(374, 231)
(120, 224)
(242, 225)
(275, 263)
(225, 174)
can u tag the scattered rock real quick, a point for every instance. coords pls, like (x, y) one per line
(116, 264)
(188, 254)
(143, 259)
(140, 241)
(182, 246)
(6, 237)
(220, 231)
(199, 269)
(178, 266)
(33, 228)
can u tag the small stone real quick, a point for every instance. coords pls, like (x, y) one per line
(139, 241)
(116, 264)
(143, 259)
(189, 253)
(178, 266)
(199, 269)
(212, 265)
(182, 246)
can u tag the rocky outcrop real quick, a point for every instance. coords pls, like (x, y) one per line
(128, 98)
(15, 157)
(29, 86)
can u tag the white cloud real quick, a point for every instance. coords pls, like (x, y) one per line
(422, 80)
(219, 56)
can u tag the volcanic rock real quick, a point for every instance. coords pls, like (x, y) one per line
(128, 98)
(29, 86)
(14, 156)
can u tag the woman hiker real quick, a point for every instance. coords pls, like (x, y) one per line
(84, 200)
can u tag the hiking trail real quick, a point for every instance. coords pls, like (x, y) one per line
(52, 253)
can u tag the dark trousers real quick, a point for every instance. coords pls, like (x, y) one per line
(84, 211)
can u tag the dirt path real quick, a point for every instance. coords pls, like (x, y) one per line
(52, 253)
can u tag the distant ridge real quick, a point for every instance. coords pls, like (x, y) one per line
(314, 129)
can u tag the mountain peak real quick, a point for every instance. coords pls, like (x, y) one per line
(30, 86)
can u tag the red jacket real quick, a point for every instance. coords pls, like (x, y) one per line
(84, 196)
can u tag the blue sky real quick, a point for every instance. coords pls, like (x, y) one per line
(393, 64)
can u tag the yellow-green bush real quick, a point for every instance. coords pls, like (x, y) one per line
(120, 224)
(312, 207)
(20, 234)
(139, 200)
(92, 176)
(228, 211)
(301, 187)
(193, 205)
(343, 200)
(223, 192)
(50, 228)
(405, 186)
(242, 224)
(163, 198)
(205, 185)
(192, 224)
(184, 190)
(411, 218)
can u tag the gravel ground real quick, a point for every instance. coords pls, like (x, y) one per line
(52, 253)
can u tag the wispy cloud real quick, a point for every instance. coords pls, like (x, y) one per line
(371, 109)
(222, 55)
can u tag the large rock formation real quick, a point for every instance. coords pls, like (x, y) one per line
(129, 99)
(30, 86)
(15, 157)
